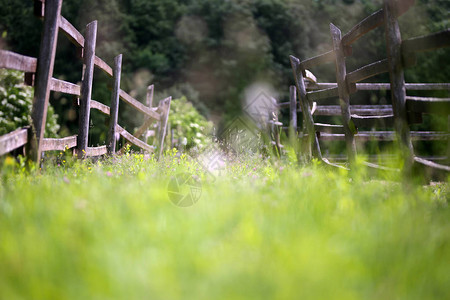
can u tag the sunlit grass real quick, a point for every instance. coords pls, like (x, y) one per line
(261, 230)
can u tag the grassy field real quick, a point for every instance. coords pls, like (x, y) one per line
(260, 230)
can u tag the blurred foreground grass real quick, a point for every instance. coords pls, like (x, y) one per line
(260, 231)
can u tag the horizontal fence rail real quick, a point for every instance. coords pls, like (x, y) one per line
(13, 140)
(404, 110)
(50, 12)
(49, 144)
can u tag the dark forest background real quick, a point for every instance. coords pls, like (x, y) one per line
(211, 51)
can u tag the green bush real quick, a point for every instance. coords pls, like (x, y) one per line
(189, 127)
(16, 102)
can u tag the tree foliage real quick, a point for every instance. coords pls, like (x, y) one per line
(215, 49)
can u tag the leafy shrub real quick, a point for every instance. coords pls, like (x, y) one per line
(189, 127)
(16, 102)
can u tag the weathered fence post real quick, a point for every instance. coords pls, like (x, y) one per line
(114, 111)
(164, 108)
(149, 102)
(344, 98)
(86, 87)
(293, 109)
(150, 92)
(397, 79)
(44, 74)
(306, 109)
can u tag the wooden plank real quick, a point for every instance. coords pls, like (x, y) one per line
(13, 140)
(344, 98)
(133, 140)
(425, 43)
(312, 141)
(101, 107)
(14, 61)
(319, 85)
(373, 121)
(317, 60)
(384, 86)
(323, 94)
(367, 110)
(427, 86)
(86, 88)
(150, 92)
(139, 106)
(292, 107)
(112, 132)
(387, 136)
(65, 87)
(96, 151)
(62, 144)
(164, 109)
(366, 25)
(331, 128)
(398, 89)
(144, 127)
(431, 164)
(428, 105)
(368, 71)
(71, 32)
(103, 66)
(44, 74)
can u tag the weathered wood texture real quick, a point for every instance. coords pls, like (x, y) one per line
(150, 92)
(323, 94)
(366, 25)
(49, 144)
(164, 109)
(431, 164)
(426, 43)
(71, 32)
(344, 98)
(112, 132)
(373, 121)
(65, 87)
(78, 40)
(293, 107)
(317, 60)
(44, 72)
(383, 86)
(398, 89)
(100, 107)
(96, 151)
(50, 10)
(313, 143)
(13, 140)
(86, 87)
(14, 61)
(103, 66)
(133, 140)
(368, 71)
(331, 128)
(138, 105)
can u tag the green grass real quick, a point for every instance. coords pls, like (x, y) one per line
(261, 231)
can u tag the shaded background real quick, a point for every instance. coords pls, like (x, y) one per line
(211, 51)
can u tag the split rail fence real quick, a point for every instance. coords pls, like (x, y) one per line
(39, 72)
(405, 110)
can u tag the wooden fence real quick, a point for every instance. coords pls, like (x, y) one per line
(39, 72)
(405, 110)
